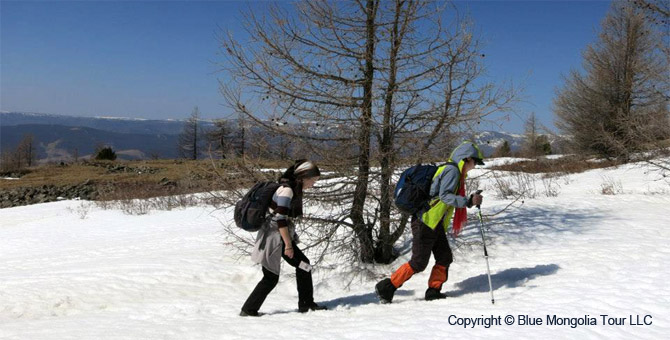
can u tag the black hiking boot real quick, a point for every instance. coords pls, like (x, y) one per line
(434, 294)
(311, 307)
(250, 313)
(385, 290)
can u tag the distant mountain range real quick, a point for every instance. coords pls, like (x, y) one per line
(119, 125)
(62, 143)
(60, 137)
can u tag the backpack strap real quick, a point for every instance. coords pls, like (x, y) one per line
(284, 185)
(444, 164)
(448, 163)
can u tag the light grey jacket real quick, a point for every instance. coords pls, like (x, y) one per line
(445, 186)
(268, 246)
(447, 181)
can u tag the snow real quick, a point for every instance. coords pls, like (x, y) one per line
(555, 156)
(490, 162)
(120, 118)
(71, 270)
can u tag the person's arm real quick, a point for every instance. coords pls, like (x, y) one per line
(450, 178)
(288, 244)
(283, 200)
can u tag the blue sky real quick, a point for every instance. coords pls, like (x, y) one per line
(154, 59)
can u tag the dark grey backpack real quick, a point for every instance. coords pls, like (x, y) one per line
(252, 210)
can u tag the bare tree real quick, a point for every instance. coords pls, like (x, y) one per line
(363, 86)
(24, 155)
(616, 108)
(657, 14)
(535, 143)
(26, 152)
(530, 146)
(240, 137)
(189, 139)
(8, 161)
(75, 155)
(503, 150)
(219, 138)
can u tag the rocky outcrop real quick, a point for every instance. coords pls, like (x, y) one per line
(115, 168)
(46, 193)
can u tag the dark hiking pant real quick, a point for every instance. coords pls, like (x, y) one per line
(427, 241)
(270, 280)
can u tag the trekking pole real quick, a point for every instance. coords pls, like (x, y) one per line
(486, 254)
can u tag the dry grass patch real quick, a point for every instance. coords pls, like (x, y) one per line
(125, 179)
(566, 165)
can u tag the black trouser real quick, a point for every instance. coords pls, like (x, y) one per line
(270, 280)
(427, 241)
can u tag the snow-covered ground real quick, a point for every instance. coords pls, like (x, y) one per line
(69, 270)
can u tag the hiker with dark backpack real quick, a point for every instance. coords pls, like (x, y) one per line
(277, 238)
(432, 209)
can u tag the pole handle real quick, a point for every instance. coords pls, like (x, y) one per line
(478, 192)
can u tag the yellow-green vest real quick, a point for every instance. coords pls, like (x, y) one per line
(438, 209)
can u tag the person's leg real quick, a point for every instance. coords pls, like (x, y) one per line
(303, 274)
(443, 258)
(258, 295)
(422, 245)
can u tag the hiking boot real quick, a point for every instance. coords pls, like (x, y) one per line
(385, 290)
(313, 306)
(250, 313)
(434, 294)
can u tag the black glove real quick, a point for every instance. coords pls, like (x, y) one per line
(470, 203)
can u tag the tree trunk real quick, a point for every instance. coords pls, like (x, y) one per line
(384, 249)
(362, 230)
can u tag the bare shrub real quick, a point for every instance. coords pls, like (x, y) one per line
(610, 186)
(503, 186)
(564, 165)
(525, 184)
(239, 240)
(104, 205)
(142, 206)
(516, 184)
(239, 176)
(164, 203)
(472, 184)
(551, 186)
(134, 206)
(81, 210)
(566, 179)
(175, 202)
(660, 163)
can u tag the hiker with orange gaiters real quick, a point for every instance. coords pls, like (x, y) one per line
(430, 224)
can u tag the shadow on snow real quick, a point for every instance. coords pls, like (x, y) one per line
(361, 299)
(531, 224)
(528, 224)
(509, 278)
